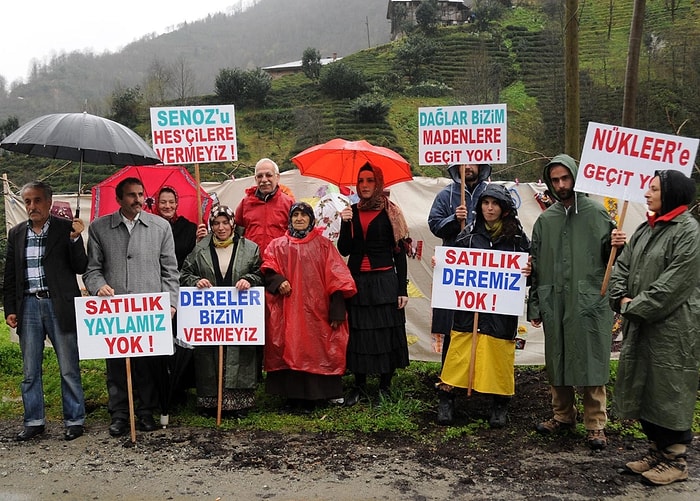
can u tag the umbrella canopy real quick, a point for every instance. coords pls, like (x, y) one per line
(81, 137)
(339, 161)
(154, 177)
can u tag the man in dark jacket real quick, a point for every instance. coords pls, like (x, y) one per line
(44, 255)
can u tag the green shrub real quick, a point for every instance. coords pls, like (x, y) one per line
(370, 108)
(340, 81)
(428, 88)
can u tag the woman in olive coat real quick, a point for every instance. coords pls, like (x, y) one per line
(656, 288)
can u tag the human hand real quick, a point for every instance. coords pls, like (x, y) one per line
(346, 214)
(203, 283)
(336, 323)
(243, 285)
(433, 261)
(172, 312)
(403, 301)
(105, 290)
(527, 269)
(461, 213)
(625, 300)
(77, 227)
(536, 322)
(618, 238)
(201, 231)
(11, 320)
(285, 288)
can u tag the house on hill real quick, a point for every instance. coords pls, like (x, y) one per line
(280, 70)
(400, 12)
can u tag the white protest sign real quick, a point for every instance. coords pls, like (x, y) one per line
(619, 162)
(221, 316)
(194, 134)
(128, 325)
(479, 280)
(462, 135)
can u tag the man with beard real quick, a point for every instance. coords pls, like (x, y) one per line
(131, 252)
(571, 244)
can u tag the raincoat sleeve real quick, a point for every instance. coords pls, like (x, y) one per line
(533, 301)
(671, 288)
(442, 220)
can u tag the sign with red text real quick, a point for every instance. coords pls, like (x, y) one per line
(481, 280)
(128, 325)
(462, 135)
(221, 315)
(194, 134)
(619, 162)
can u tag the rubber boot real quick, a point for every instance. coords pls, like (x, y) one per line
(499, 411)
(446, 407)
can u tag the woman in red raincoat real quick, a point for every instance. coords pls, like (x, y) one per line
(307, 283)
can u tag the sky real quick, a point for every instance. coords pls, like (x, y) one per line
(38, 30)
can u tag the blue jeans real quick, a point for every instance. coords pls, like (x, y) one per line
(39, 321)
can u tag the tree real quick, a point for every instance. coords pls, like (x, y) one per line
(183, 82)
(257, 86)
(158, 80)
(9, 126)
(311, 63)
(125, 106)
(413, 54)
(340, 81)
(427, 16)
(229, 86)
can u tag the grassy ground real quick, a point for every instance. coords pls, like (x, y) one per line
(409, 410)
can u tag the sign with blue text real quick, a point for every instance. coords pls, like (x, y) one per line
(194, 134)
(463, 135)
(221, 315)
(481, 280)
(128, 325)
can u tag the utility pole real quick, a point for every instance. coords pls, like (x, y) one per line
(369, 46)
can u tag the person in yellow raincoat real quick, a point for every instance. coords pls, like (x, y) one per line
(496, 227)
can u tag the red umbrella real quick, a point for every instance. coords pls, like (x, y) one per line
(338, 161)
(154, 177)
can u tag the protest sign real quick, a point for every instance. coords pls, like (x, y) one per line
(462, 135)
(128, 325)
(194, 134)
(221, 316)
(619, 162)
(479, 280)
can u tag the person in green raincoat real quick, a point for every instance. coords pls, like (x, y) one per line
(571, 244)
(224, 259)
(656, 287)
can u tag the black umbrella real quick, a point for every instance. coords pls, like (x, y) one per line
(81, 137)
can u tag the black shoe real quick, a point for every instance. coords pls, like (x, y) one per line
(499, 412)
(146, 423)
(29, 433)
(73, 432)
(446, 408)
(118, 427)
(353, 397)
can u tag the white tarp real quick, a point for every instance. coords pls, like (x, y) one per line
(415, 199)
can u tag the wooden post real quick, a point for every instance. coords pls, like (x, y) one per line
(220, 395)
(613, 253)
(463, 198)
(472, 358)
(130, 392)
(199, 194)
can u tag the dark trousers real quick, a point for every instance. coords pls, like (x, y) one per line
(143, 378)
(663, 437)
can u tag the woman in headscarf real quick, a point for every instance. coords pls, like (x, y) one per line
(496, 227)
(224, 259)
(656, 287)
(307, 283)
(185, 233)
(374, 235)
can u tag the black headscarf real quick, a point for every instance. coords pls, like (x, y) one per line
(306, 209)
(676, 189)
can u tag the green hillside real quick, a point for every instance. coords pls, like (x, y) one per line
(517, 59)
